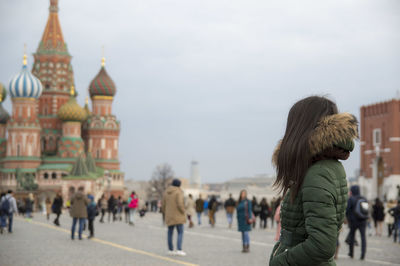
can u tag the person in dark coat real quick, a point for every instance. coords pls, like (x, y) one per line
(378, 214)
(230, 205)
(92, 213)
(57, 208)
(212, 209)
(355, 222)
(244, 218)
(395, 212)
(264, 213)
(111, 206)
(199, 208)
(256, 210)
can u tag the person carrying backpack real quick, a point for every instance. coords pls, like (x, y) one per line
(357, 216)
(8, 207)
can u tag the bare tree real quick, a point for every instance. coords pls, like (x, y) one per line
(161, 179)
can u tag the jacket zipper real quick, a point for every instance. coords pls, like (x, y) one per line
(277, 249)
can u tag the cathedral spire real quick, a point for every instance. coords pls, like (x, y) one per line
(52, 39)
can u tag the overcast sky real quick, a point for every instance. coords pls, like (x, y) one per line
(213, 80)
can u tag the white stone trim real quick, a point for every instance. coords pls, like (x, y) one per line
(394, 139)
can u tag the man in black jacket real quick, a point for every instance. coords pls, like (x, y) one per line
(355, 222)
(395, 212)
(230, 206)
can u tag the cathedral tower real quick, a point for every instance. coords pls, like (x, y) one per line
(101, 130)
(53, 67)
(23, 143)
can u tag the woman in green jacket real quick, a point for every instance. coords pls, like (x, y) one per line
(313, 181)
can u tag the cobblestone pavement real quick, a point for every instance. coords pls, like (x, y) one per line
(38, 242)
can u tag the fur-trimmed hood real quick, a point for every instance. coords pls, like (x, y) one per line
(333, 130)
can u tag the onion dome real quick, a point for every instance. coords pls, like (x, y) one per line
(24, 84)
(86, 107)
(102, 84)
(3, 93)
(71, 110)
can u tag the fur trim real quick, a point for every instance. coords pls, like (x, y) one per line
(331, 130)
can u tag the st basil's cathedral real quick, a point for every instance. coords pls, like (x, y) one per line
(49, 143)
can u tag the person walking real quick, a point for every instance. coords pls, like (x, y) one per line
(133, 204)
(395, 212)
(378, 214)
(264, 213)
(79, 203)
(57, 208)
(173, 207)
(212, 209)
(29, 206)
(230, 205)
(3, 212)
(48, 208)
(120, 206)
(111, 208)
(313, 181)
(389, 219)
(245, 219)
(273, 208)
(256, 210)
(190, 208)
(92, 212)
(357, 219)
(199, 208)
(8, 206)
(102, 204)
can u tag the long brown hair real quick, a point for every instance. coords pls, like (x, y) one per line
(294, 157)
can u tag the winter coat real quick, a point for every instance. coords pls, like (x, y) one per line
(243, 213)
(173, 206)
(12, 203)
(57, 205)
(133, 202)
(103, 203)
(111, 204)
(264, 211)
(190, 207)
(230, 205)
(28, 205)
(311, 223)
(199, 205)
(91, 210)
(79, 205)
(389, 219)
(378, 213)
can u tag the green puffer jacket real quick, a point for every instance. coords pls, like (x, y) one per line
(311, 224)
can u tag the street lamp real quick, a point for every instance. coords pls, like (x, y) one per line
(107, 174)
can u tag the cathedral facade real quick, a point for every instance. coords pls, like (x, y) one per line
(49, 143)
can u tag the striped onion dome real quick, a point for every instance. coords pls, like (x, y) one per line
(25, 85)
(102, 84)
(72, 111)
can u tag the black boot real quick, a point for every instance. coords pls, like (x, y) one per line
(244, 249)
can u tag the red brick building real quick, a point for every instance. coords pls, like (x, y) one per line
(380, 149)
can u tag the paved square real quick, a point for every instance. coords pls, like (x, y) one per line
(38, 242)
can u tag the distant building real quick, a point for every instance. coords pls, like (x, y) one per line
(380, 149)
(195, 178)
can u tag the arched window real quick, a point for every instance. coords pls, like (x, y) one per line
(46, 176)
(43, 143)
(54, 175)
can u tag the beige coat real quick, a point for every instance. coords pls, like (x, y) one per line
(190, 207)
(173, 206)
(79, 204)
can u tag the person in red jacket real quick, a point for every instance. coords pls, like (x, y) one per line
(133, 203)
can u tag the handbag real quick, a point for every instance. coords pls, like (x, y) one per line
(247, 214)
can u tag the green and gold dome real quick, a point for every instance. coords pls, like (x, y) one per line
(4, 116)
(71, 111)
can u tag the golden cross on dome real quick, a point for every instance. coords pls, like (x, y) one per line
(103, 59)
(25, 57)
(87, 100)
(1, 97)
(72, 93)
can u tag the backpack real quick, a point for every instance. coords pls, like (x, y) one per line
(361, 209)
(5, 206)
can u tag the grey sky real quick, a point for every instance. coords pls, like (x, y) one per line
(213, 80)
